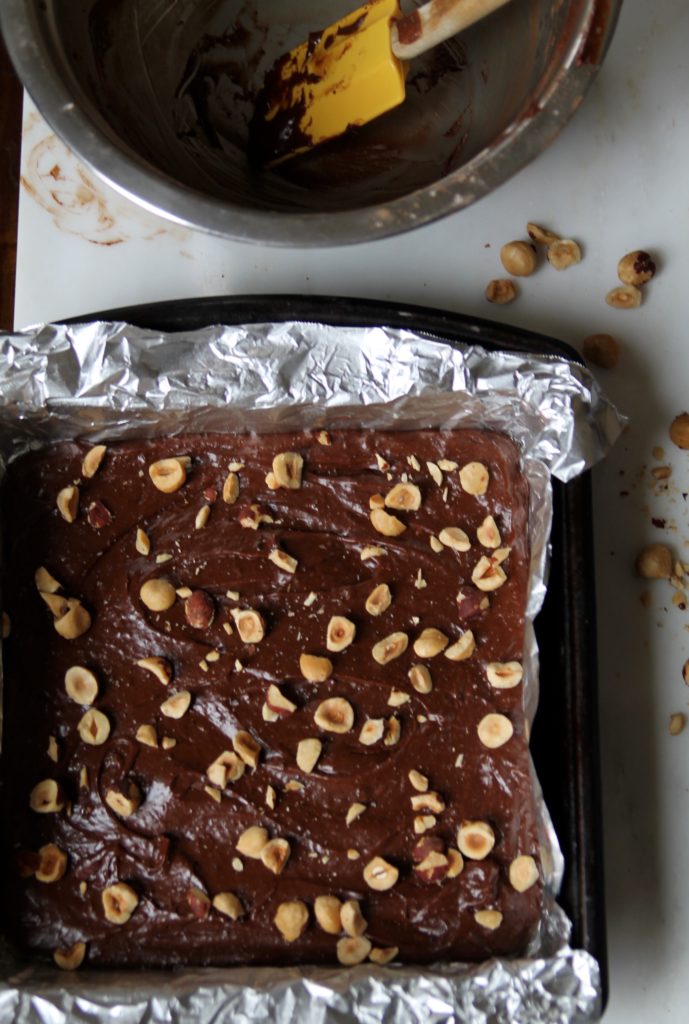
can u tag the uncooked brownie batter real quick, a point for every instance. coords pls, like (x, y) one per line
(263, 700)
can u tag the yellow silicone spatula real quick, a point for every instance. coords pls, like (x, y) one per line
(350, 73)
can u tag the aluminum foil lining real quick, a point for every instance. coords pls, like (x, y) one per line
(101, 381)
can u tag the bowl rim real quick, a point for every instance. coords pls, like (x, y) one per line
(556, 99)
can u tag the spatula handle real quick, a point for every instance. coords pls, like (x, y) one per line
(435, 22)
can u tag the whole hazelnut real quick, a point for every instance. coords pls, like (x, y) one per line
(679, 430)
(654, 562)
(518, 258)
(501, 291)
(636, 268)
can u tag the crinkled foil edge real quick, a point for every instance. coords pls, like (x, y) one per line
(100, 381)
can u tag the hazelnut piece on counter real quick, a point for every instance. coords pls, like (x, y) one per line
(228, 904)
(625, 296)
(383, 956)
(199, 609)
(429, 643)
(383, 522)
(490, 919)
(119, 902)
(636, 268)
(563, 253)
(287, 470)
(92, 460)
(230, 488)
(462, 648)
(488, 534)
(353, 921)
(518, 258)
(541, 236)
(654, 562)
(475, 839)
(75, 622)
(335, 715)
(68, 503)
(47, 797)
(81, 684)
(94, 727)
(679, 430)
(158, 667)
(677, 723)
(248, 748)
(308, 752)
(404, 497)
(340, 633)
(327, 910)
(168, 475)
(494, 730)
(291, 918)
(275, 855)
(351, 951)
(177, 705)
(379, 600)
(523, 873)
(474, 478)
(500, 291)
(420, 678)
(124, 804)
(315, 668)
(371, 731)
(52, 863)
(390, 647)
(503, 675)
(250, 624)
(252, 841)
(72, 958)
(602, 350)
(455, 538)
(158, 595)
(380, 875)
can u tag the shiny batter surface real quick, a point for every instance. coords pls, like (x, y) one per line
(182, 838)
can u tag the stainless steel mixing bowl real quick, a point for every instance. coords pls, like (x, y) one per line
(156, 95)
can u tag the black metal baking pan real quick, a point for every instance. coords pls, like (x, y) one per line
(565, 740)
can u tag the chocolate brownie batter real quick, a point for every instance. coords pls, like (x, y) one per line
(171, 861)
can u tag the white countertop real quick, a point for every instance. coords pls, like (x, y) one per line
(615, 180)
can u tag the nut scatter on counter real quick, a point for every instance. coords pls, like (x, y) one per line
(264, 700)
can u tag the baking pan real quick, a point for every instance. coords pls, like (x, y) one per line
(565, 732)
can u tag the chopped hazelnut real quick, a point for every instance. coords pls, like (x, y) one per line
(291, 918)
(487, 574)
(168, 475)
(275, 855)
(475, 839)
(355, 811)
(433, 868)
(420, 678)
(500, 291)
(422, 823)
(428, 801)
(436, 473)
(250, 625)
(227, 767)
(92, 460)
(390, 647)
(57, 604)
(308, 752)
(158, 595)
(283, 561)
(376, 501)
(380, 875)
(158, 667)
(474, 478)
(46, 582)
(353, 921)
(124, 804)
(404, 497)
(602, 350)
(436, 545)
(94, 728)
(278, 703)
(315, 668)
(679, 430)
(494, 730)
(393, 731)
(177, 705)
(252, 841)
(625, 296)
(98, 515)
(462, 648)
(397, 698)
(147, 735)
(503, 675)
(287, 470)
(46, 797)
(455, 538)
(81, 684)
(523, 873)
(68, 503)
(52, 863)
(563, 254)
(490, 919)
(327, 911)
(636, 268)
(248, 748)
(53, 752)
(199, 610)
(340, 633)
(429, 643)
(541, 236)
(382, 956)
(677, 723)
(75, 622)
(372, 731)
(456, 863)
(518, 258)
(168, 742)
(383, 522)
(371, 551)
(418, 781)
(202, 517)
(335, 715)
(119, 902)
(379, 600)
(488, 534)
(351, 951)
(654, 562)
(198, 902)
(230, 488)
(228, 904)
(142, 543)
(72, 958)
